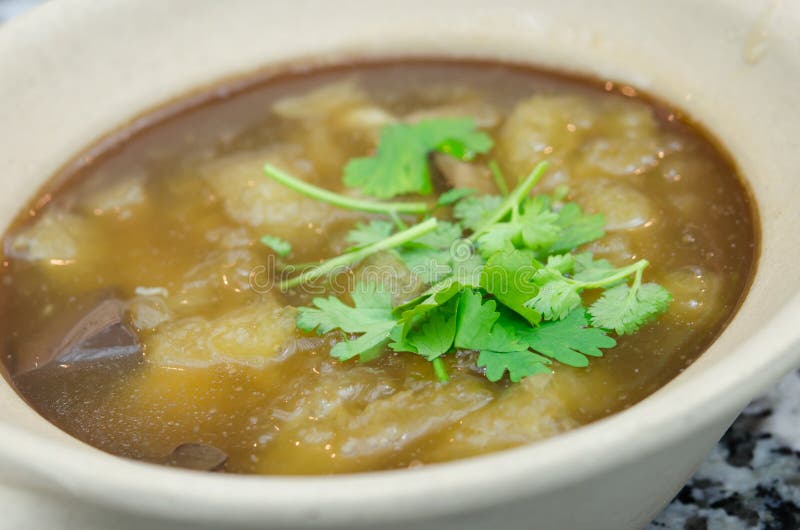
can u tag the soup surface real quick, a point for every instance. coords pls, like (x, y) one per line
(139, 307)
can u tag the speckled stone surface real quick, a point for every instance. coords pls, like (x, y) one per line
(751, 481)
(752, 478)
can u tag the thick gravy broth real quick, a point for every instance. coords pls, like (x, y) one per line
(147, 255)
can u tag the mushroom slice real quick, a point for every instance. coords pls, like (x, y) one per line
(460, 174)
(96, 333)
(197, 456)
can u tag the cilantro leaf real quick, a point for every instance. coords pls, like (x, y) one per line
(443, 237)
(373, 306)
(399, 341)
(567, 341)
(625, 309)
(414, 310)
(281, 247)
(457, 137)
(474, 211)
(475, 327)
(588, 269)
(435, 335)
(429, 256)
(498, 237)
(508, 276)
(370, 315)
(467, 269)
(563, 263)
(527, 222)
(518, 364)
(372, 232)
(400, 164)
(429, 264)
(557, 296)
(368, 346)
(576, 228)
(538, 224)
(454, 195)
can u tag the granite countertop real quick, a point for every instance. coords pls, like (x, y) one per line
(751, 481)
(752, 478)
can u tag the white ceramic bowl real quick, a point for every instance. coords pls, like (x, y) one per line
(76, 69)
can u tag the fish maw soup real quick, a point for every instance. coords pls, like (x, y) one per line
(372, 266)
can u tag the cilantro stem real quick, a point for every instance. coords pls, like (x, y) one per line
(397, 220)
(514, 199)
(296, 266)
(440, 370)
(326, 267)
(622, 273)
(637, 281)
(342, 201)
(499, 179)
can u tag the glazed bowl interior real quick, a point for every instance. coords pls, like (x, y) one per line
(75, 70)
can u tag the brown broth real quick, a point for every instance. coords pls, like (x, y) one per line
(167, 219)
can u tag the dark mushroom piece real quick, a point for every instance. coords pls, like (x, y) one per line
(196, 456)
(458, 174)
(95, 330)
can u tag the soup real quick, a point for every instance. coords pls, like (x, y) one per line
(198, 291)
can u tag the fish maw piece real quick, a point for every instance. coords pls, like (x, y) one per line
(55, 238)
(697, 295)
(161, 407)
(148, 312)
(626, 141)
(252, 335)
(331, 119)
(357, 425)
(543, 127)
(251, 198)
(525, 412)
(389, 425)
(344, 103)
(615, 247)
(485, 115)
(623, 206)
(588, 393)
(328, 400)
(222, 276)
(312, 412)
(118, 198)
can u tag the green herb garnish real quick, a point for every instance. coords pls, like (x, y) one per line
(335, 264)
(400, 164)
(343, 201)
(504, 277)
(281, 247)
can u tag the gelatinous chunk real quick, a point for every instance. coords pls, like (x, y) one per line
(251, 335)
(55, 238)
(252, 199)
(346, 423)
(523, 413)
(543, 127)
(623, 206)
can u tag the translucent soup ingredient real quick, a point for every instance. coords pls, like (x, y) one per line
(169, 301)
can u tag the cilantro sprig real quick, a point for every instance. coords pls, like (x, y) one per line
(505, 280)
(328, 267)
(343, 201)
(400, 164)
(281, 247)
